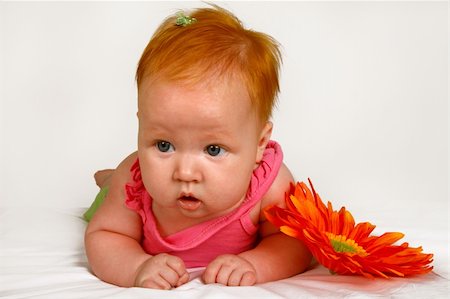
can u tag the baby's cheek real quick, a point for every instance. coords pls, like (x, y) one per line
(157, 183)
(233, 192)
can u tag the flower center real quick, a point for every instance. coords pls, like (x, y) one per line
(340, 243)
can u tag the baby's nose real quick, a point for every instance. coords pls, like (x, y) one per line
(187, 169)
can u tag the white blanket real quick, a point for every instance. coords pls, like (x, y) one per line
(42, 256)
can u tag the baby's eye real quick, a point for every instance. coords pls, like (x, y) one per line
(215, 150)
(164, 146)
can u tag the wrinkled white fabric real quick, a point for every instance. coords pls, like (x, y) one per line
(42, 256)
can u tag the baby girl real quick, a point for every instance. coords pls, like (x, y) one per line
(193, 194)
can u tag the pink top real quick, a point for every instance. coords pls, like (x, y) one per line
(198, 245)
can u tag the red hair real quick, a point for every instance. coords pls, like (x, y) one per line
(214, 46)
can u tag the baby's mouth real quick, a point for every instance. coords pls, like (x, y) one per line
(189, 203)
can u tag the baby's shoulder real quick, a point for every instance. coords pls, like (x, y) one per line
(275, 194)
(125, 166)
(122, 174)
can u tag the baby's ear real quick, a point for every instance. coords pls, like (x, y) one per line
(264, 138)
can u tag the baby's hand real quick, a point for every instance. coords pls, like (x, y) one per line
(162, 271)
(231, 270)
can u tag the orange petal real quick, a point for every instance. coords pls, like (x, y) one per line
(384, 240)
(348, 223)
(289, 231)
(361, 231)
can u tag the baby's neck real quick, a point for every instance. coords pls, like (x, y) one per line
(171, 221)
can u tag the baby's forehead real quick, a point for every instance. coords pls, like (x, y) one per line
(209, 83)
(232, 88)
(229, 95)
(172, 105)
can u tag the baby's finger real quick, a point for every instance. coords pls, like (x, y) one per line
(155, 283)
(235, 278)
(183, 279)
(248, 279)
(177, 265)
(224, 274)
(211, 271)
(170, 276)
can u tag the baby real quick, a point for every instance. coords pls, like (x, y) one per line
(193, 194)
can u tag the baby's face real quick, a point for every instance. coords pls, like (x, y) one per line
(197, 146)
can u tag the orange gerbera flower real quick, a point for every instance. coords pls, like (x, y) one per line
(338, 244)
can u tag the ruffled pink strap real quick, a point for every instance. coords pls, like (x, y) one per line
(135, 190)
(267, 171)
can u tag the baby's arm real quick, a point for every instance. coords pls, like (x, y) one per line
(113, 247)
(277, 256)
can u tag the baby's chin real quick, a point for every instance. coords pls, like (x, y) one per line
(198, 210)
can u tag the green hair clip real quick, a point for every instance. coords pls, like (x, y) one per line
(183, 20)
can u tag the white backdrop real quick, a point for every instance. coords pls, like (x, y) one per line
(363, 109)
